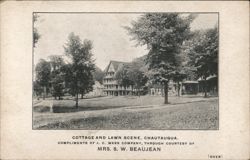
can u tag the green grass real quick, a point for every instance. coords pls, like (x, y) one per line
(134, 113)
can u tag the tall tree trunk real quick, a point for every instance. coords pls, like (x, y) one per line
(205, 87)
(132, 90)
(139, 90)
(82, 95)
(162, 88)
(76, 100)
(44, 92)
(178, 88)
(125, 90)
(166, 92)
(76, 95)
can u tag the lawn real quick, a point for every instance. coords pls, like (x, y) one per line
(146, 112)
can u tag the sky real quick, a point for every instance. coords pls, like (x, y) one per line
(110, 39)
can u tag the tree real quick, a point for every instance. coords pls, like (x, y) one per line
(98, 74)
(38, 89)
(56, 62)
(183, 71)
(57, 75)
(57, 82)
(136, 74)
(163, 33)
(86, 82)
(43, 72)
(82, 65)
(178, 76)
(67, 71)
(204, 54)
(132, 74)
(122, 76)
(36, 35)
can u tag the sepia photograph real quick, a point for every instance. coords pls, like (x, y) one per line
(125, 71)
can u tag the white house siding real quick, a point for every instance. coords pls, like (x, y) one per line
(97, 90)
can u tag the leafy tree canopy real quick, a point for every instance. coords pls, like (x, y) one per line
(204, 52)
(82, 64)
(43, 71)
(57, 75)
(36, 35)
(122, 76)
(56, 62)
(163, 33)
(98, 74)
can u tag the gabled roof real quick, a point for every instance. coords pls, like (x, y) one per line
(116, 65)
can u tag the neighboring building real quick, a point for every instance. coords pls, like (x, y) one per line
(158, 90)
(97, 90)
(197, 87)
(211, 83)
(111, 86)
(187, 87)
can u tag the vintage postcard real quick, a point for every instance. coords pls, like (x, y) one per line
(124, 80)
